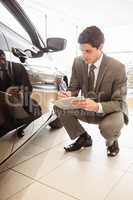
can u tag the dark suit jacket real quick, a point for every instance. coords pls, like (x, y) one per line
(111, 84)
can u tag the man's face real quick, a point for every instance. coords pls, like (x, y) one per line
(90, 54)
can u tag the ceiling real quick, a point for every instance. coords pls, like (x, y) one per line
(103, 13)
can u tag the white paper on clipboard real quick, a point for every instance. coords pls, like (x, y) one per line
(67, 103)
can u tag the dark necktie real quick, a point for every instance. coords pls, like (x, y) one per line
(91, 78)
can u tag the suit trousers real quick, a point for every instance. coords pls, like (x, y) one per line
(110, 125)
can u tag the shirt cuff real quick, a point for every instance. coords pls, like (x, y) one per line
(100, 110)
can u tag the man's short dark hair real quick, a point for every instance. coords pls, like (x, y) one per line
(91, 35)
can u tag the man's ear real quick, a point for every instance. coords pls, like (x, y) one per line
(101, 47)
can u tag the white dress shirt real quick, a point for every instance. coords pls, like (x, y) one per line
(96, 71)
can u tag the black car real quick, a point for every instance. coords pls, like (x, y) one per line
(18, 49)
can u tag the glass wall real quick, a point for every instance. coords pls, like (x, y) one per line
(118, 44)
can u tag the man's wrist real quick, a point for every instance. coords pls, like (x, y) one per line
(97, 107)
(100, 108)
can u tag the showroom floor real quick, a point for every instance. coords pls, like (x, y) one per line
(41, 170)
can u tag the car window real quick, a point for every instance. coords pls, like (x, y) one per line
(11, 22)
(15, 40)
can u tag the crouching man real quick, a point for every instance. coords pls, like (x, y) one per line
(102, 81)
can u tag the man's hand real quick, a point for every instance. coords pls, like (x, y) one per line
(64, 94)
(86, 104)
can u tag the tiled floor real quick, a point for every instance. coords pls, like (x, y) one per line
(41, 170)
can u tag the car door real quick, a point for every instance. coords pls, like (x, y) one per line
(6, 142)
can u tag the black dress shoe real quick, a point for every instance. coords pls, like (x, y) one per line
(113, 150)
(83, 141)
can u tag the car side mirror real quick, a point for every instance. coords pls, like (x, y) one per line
(56, 44)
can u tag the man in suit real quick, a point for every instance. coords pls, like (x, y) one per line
(102, 81)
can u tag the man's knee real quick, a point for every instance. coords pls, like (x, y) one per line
(111, 125)
(66, 113)
(58, 111)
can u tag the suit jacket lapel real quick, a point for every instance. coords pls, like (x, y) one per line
(102, 70)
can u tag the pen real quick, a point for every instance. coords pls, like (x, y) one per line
(63, 88)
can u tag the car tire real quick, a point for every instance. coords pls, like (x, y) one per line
(56, 124)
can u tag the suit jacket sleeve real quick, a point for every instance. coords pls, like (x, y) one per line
(119, 92)
(74, 86)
